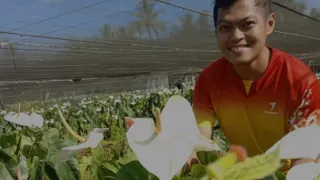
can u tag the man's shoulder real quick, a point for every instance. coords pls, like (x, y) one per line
(215, 68)
(212, 75)
(296, 70)
(291, 61)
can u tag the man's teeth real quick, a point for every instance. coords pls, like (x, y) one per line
(237, 48)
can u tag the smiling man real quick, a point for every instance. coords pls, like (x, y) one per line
(257, 93)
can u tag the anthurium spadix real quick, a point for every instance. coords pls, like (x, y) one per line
(93, 140)
(164, 148)
(298, 144)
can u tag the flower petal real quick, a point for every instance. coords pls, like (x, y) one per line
(298, 144)
(205, 144)
(21, 119)
(36, 120)
(166, 153)
(178, 119)
(307, 171)
(163, 158)
(94, 138)
(141, 129)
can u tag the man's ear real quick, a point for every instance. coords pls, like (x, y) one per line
(271, 23)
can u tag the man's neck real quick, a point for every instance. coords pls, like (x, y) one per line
(255, 69)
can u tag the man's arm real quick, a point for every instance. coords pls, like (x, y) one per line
(204, 112)
(308, 111)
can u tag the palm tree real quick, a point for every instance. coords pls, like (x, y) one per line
(203, 23)
(187, 27)
(124, 32)
(147, 19)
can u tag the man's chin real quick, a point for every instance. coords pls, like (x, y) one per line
(239, 60)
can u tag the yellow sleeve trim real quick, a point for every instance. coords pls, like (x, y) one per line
(205, 123)
(204, 117)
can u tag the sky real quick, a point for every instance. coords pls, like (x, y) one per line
(313, 3)
(18, 13)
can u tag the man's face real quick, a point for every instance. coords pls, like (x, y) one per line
(242, 30)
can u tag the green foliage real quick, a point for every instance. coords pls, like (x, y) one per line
(33, 152)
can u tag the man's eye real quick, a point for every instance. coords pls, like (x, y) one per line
(248, 24)
(224, 28)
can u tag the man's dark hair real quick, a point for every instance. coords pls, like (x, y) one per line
(225, 4)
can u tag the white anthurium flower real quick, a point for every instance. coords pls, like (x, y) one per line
(17, 118)
(307, 171)
(23, 119)
(296, 145)
(36, 120)
(165, 90)
(94, 138)
(117, 101)
(67, 104)
(163, 150)
(116, 117)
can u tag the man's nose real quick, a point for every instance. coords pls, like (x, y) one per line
(236, 35)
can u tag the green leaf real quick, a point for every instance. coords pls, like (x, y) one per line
(50, 172)
(280, 175)
(8, 165)
(198, 171)
(176, 178)
(84, 164)
(4, 173)
(54, 148)
(104, 173)
(99, 154)
(35, 134)
(276, 176)
(33, 143)
(133, 171)
(65, 170)
(207, 157)
(8, 143)
(31, 148)
(112, 166)
(23, 167)
(36, 169)
(69, 169)
(54, 133)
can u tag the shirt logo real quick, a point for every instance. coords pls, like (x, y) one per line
(271, 110)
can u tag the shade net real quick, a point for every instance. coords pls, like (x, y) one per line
(72, 48)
